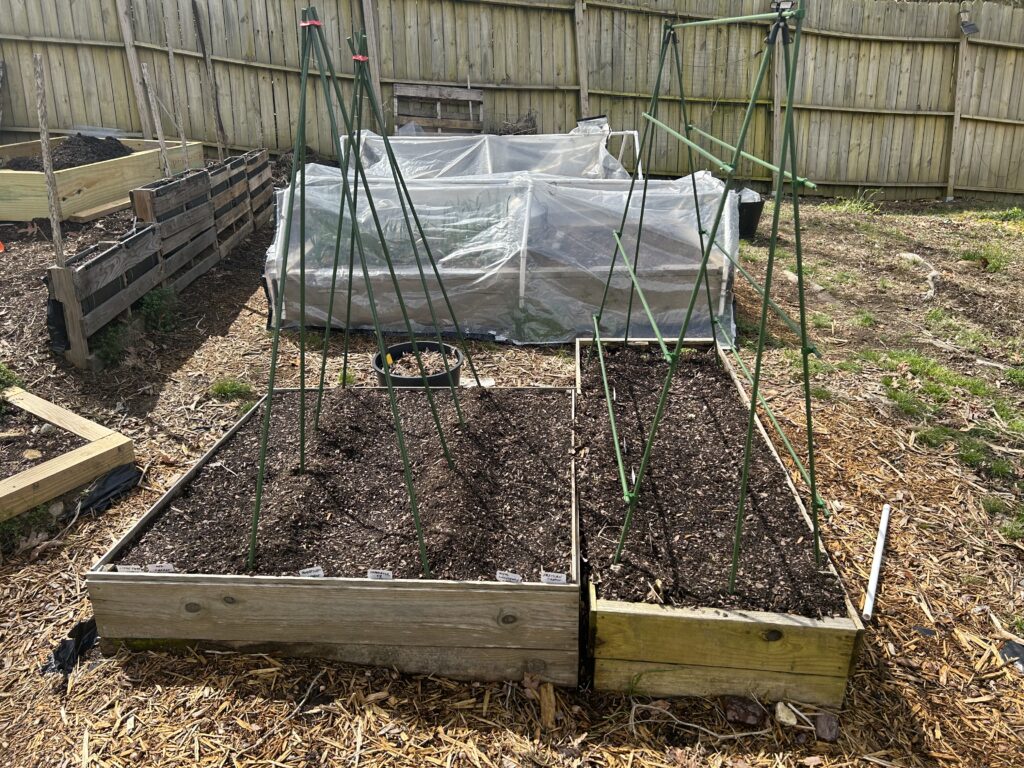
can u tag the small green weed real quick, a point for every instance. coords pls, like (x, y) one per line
(990, 256)
(907, 403)
(8, 378)
(821, 321)
(18, 528)
(231, 389)
(111, 343)
(864, 319)
(159, 310)
(1013, 375)
(346, 378)
(885, 284)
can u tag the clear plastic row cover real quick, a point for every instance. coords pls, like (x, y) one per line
(522, 256)
(436, 156)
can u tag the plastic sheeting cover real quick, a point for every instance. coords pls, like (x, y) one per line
(523, 256)
(580, 156)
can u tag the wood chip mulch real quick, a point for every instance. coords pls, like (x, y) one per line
(930, 687)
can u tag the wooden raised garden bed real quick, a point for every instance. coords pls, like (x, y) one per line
(341, 516)
(87, 188)
(102, 450)
(663, 622)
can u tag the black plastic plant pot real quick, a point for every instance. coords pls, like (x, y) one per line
(750, 216)
(398, 351)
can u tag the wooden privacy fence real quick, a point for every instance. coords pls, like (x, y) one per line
(890, 94)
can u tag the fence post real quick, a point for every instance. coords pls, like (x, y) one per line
(128, 34)
(960, 90)
(582, 64)
(372, 24)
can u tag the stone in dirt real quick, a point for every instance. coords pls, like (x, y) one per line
(743, 711)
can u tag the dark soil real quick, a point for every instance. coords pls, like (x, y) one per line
(505, 507)
(679, 549)
(21, 432)
(281, 169)
(74, 151)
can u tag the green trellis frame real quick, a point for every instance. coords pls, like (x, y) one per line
(779, 33)
(315, 49)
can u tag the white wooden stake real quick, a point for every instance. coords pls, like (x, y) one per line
(157, 124)
(876, 566)
(52, 196)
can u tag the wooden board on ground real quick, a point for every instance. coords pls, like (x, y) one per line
(654, 650)
(44, 482)
(86, 187)
(467, 630)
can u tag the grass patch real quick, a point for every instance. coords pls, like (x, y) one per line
(1013, 375)
(863, 204)
(346, 378)
(232, 389)
(821, 321)
(925, 367)
(1013, 529)
(850, 366)
(991, 257)
(1010, 214)
(864, 319)
(885, 285)
(906, 403)
(159, 310)
(111, 344)
(821, 393)
(935, 437)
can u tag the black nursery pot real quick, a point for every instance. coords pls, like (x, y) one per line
(750, 216)
(398, 351)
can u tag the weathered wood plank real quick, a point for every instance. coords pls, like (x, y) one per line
(752, 640)
(54, 414)
(330, 610)
(652, 679)
(559, 667)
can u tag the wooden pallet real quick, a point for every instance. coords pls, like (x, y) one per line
(232, 213)
(261, 186)
(104, 450)
(88, 188)
(98, 285)
(467, 630)
(654, 650)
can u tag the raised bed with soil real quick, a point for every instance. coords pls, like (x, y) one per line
(663, 621)
(47, 451)
(507, 507)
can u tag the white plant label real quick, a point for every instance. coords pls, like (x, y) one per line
(129, 568)
(553, 578)
(379, 574)
(512, 578)
(160, 568)
(315, 572)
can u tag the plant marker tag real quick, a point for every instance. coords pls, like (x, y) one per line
(315, 572)
(160, 568)
(129, 568)
(511, 578)
(379, 574)
(552, 578)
